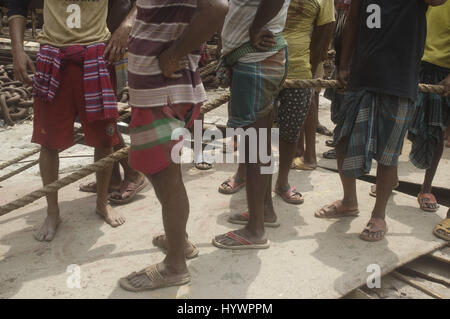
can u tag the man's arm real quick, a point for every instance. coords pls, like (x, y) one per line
(261, 38)
(435, 3)
(446, 83)
(207, 21)
(350, 37)
(17, 12)
(320, 41)
(117, 46)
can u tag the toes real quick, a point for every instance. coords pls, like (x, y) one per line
(39, 236)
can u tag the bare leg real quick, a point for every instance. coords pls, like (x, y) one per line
(259, 197)
(309, 157)
(129, 173)
(431, 172)
(103, 178)
(300, 146)
(171, 192)
(49, 167)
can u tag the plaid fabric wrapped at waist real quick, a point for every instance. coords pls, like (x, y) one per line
(101, 102)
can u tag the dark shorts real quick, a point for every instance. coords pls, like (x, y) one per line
(54, 121)
(151, 135)
(292, 112)
(431, 120)
(254, 87)
(375, 125)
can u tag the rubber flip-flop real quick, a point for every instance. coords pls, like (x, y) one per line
(427, 198)
(243, 243)
(288, 196)
(242, 219)
(330, 154)
(331, 211)
(232, 188)
(91, 187)
(442, 230)
(329, 143)
(371, 228)
(130, 188)
(188, 253)
(155, 277)
(321, 129)
(201, 163)
(298, 163)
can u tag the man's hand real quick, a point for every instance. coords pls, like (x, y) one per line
(446, 83)
(22, 62)
(117, 46)
(170, 63)
(262, 40)
(342, 78)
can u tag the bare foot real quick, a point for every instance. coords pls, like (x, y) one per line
(48, 228)
(111, 216)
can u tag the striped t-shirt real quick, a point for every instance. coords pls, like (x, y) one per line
(158, 24)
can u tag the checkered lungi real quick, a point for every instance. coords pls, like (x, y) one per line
(432, 118)
(375, 125)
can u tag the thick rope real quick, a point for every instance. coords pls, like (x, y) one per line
(35, 162)
(210, 68)
(123, 108)
(321, 83)
(123, 153)
(208, 107)
(53, 187)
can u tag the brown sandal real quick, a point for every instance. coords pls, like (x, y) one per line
(189, 252)
(425, 199)
(230, 186)
(372, 228)
(128, 191)
(332, 211)
(289, 196)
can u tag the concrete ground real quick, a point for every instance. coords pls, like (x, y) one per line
(308, 258)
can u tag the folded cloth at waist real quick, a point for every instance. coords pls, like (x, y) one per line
(101, 102)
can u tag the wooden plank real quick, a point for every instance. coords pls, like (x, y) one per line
(414, 283)
(442, 255)
(430, 269)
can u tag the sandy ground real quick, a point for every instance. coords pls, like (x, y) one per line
(308, 258)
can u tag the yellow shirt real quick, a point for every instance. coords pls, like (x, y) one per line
(303, 15)
(73, 22)
(437, 47)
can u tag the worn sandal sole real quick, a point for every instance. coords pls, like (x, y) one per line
(131, 197)
(194, 253)
(125, 285)
(290, 201)
(441, 236)
(372, 240)
(244, 222)
(241, 247)
(350, 213)
(232, 190)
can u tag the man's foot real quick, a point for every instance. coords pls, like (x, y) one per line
(128, 191)
(231, 185)
(110, 216)
(190, 250)
(299, 163)
(91, 187)
(289, 194)
(202, 163)
(242, 219)
(373, 189)
(375, 230)
(330, 154)
(442, 230)
(154, 277)
(337, 210)
(48, 229)
(240, 239)
(427, 202)
(321, 129)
